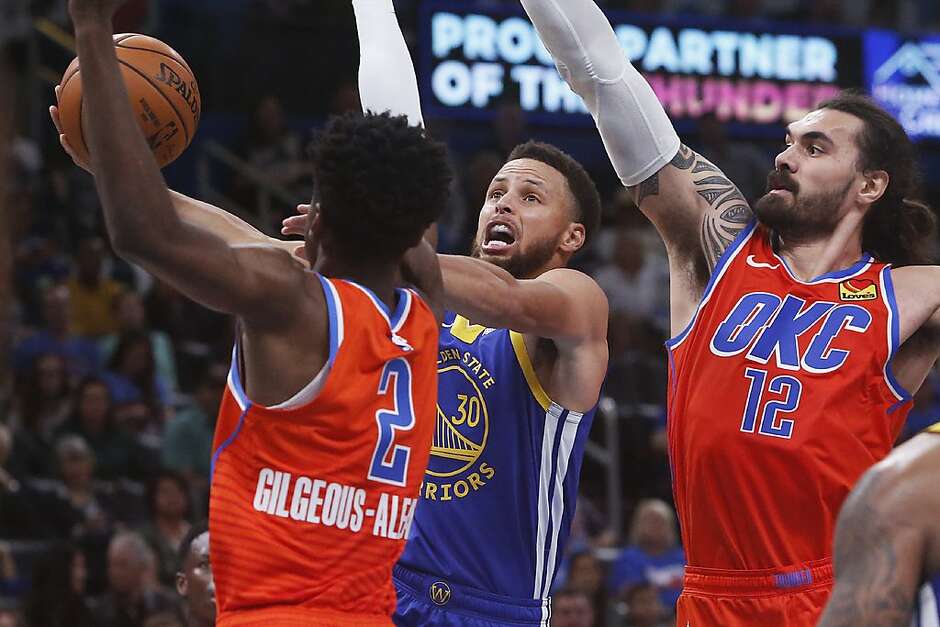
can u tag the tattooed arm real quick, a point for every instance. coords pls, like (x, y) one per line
(888, 539)
(696, 209)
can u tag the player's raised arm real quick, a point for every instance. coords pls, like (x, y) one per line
(138, 210)
(387, 80)
(697, 210)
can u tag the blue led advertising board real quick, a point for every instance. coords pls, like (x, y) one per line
(757, 78)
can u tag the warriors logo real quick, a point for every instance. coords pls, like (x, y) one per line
(462, 424)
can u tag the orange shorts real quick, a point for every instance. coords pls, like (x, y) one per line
(755, 598)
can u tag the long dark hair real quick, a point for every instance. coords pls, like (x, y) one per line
(900, 228)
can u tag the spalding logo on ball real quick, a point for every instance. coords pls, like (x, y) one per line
(162, 91)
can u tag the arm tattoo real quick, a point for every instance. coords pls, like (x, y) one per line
(728, 212)
(869, 587)
(684, 158)
(649, 187)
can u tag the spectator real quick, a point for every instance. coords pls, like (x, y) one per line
(586, 575)
(187, 440)
(571, 608)
(92, 293)
(92, 418)
(20, 513)
(131, 316)
(170, 509)
(42, 405)
(634, 284)
(643, 607)
(57, 596)
(132, 375)
(9, 617)
(132, 594)
(742, 162)
(194, 579)
(56, 337)
(275, 150)
(88, 508)
(654, 554)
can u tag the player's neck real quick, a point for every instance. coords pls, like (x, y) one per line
(812, 257)
(380, 278)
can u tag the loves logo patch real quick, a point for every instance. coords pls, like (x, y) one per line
(858, 289)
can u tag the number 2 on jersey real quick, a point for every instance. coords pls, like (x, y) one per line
(789, 387)
(390, 461)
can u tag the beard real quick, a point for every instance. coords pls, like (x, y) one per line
(521, 265)
(799, 216)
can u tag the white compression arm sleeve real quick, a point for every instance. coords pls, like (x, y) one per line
(387, 80)
(637, 134)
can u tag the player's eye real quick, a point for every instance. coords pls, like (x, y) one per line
(531, 198)
(496, 194)
(815, 150)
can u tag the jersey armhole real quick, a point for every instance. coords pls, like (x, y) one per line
(894, 336)
(724, 262)
(528, 371)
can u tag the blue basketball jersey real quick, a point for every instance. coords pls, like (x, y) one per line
(500, 489)
(927, 606)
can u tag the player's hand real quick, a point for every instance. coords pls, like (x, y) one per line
(297, 224)
(93, 11)
(66, 146)
(300, 225)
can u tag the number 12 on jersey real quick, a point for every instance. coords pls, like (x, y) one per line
(765, 416)
(390, 461)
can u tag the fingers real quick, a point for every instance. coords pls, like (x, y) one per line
(303, 209)
(54, 114)
(294, 225)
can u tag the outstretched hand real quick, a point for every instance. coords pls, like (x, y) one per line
(91, 11)
(54, 114)
(299, 225)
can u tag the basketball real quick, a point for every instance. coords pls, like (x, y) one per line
(162, 91)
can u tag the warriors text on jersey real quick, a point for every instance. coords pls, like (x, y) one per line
(311, 504)
(781, 396)
(500, 488)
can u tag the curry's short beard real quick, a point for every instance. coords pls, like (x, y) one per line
(526, 265)
(801, 216)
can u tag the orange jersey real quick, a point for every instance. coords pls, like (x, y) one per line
(781, 396)
(310, 505)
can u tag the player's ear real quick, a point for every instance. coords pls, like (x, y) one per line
(573, 238)
(182, 584)
(874, 186)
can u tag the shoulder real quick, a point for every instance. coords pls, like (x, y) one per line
(577, 284)
(902, 485)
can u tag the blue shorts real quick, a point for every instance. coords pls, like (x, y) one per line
(429, 600)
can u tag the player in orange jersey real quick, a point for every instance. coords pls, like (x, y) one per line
(796, 344)
(325, 427)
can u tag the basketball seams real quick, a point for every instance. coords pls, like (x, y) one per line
(160, 91)
(178, 59)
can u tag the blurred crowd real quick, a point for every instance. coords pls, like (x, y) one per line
(106, 424)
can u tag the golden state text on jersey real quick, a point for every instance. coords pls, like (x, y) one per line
(500, 488)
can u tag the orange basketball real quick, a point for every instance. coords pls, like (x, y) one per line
(162, 90)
